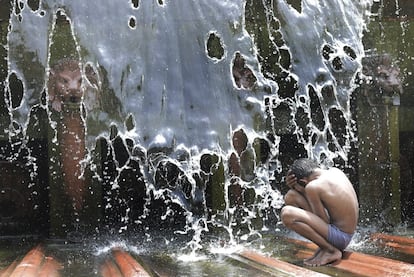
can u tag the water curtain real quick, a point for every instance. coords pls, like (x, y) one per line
(186, 113)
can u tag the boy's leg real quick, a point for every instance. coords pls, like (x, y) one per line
(313, 228)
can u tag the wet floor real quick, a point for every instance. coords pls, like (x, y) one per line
(162, 258)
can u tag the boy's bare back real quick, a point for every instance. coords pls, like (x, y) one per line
(338, 197)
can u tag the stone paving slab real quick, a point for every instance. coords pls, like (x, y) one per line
(33, 264)
(123, 264)
(286, 268)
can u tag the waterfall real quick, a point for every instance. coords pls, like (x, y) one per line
(189, 109)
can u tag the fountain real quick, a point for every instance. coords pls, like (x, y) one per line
(173, 122)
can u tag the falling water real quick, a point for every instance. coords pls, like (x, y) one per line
(190, 110)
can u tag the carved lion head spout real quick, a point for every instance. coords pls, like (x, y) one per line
(66, 85)
(381, 75)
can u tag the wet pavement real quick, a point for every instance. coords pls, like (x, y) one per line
(380, 255)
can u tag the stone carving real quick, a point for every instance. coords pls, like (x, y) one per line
(381, 80)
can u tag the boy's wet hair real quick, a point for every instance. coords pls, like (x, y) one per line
(303, 167)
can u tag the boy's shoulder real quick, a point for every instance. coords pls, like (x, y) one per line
(334, 172)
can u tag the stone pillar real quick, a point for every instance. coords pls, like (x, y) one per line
(74, 200)
(378, 134)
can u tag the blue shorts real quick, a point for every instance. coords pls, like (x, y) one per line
(338, 238)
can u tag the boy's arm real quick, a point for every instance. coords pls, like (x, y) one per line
(313, 196)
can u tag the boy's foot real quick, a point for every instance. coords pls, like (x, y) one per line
(324, 257)
(313, 256)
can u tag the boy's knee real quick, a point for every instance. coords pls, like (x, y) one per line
(291, 198)
(287, 215)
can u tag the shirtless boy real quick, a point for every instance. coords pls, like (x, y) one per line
(322, 206)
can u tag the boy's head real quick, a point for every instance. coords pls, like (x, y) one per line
(303, 168)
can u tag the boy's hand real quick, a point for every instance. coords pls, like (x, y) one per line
(290, 180)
